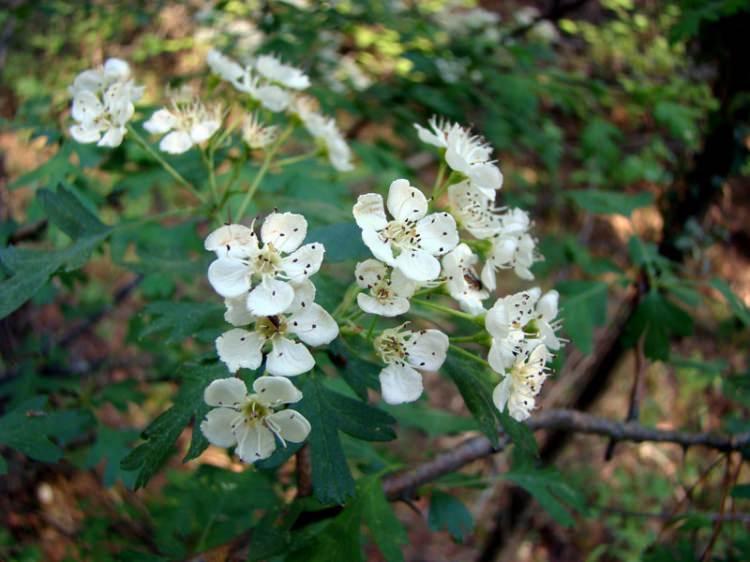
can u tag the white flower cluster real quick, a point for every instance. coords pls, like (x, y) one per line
(103, 101)
(416, 249)
(277, 87)
(185, 124)
(269, 300)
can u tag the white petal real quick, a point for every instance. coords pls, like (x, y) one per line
(203, 131)
(254, 443)
(486, 177)
(288, 359)
(234, 240)
(418, 265)
(304, 295)
(270, 297)
(229, 277)
(488, 275)
(438, 233)
(427, 350)
(402, 285)
(239, 349)
(394, 306)
(176, 142)
(88, 80)
(113, 137)
(292, 425)
(498, 319)
(427, 136)
(160, 122)
(314, 326)
(273, 98)
(369, 273)
(501, 356)
(369, 212)
(217, 427)
(400, 384)
(274, 391)
(236, 313)
(86, 107)
(380, 249)
(116, 68)
(304, 262)
(285, 231)
(547, 305)
(406, 202)
(501, 393)
(228, 392)
(86, 133)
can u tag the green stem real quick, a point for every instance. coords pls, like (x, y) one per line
(469, 355)
(372, 327)
(299, 158)
(448, 310)
(208, 160)
(479, 337)
(164, 164)
(439, 179)
(346, 302)
(262, 172)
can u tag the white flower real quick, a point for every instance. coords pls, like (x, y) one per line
(309, 322)
(405, 353)
(473, 211)
(287, 75)
(103, 101)
(462, 281)
(227, 69)
(437, 134)
(512, 247)
(186, 124)
(271, 97)
(251, 422)
(278, 264)
(469, 155)
(519, 388)
(257, 135)
(325, 130)
(411, 241)
(389, 289)
(518, 323)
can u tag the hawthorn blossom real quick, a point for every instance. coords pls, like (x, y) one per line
(253, 422)
(184, 125)
(256, 135)
(512, 248)
(462, 281)
(309, 322)
(405, 353)
(521, 385)
(518, 323)
(473, 211)
(268, 270)
(390, 289)
(288, 76)
(411, 241)
(326, 132)
(469, 155)
(437, 134)
(103, 103)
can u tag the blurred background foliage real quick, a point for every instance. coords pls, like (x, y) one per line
(621, 125)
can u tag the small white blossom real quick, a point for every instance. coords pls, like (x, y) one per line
(437, 134)
(473, 211)
(309, 322)
(103, 103)
(412, 240)
(512, 248)
(405, 353)
(521, 385)
(184, 125)
(519, 322)
(390, 289)
(253, 422)
(325, 131)
(271, 68)
(256, 135)
(462, 280)
(469, 155)
(277, 264)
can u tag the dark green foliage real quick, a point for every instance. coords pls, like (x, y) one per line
(447, 513)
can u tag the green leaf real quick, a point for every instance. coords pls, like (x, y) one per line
(27, 279)
(583, 306)
(180, 320)
(657, 319)
(110, 447)
(473, 382)
(741, 491)
(31, 430)
(358, 418)
(432, 421)
(359, 373)
(343, 241)
(735, 304)
(385, 528)
(339, 541)
(609, 202)
(449, 514)
(161, 435)
(67, 213)
(520, 434)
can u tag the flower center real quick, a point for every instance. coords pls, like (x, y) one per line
(254, 412)
(269, 326)
(268, 261)
(390, 347)
(401, 234)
